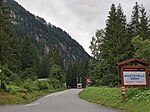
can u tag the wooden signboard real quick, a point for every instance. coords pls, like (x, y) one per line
(133, 72)
(134, 76)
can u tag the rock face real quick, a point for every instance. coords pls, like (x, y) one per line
(45, 35)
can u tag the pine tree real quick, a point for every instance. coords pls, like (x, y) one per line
(133, 26)
(144, 26)
(16, 45)
(6, 37)
(106, 46)
(123, 47)
(142, 47)
(4, 31)
(114, 46)
(115, 43)
(48, 60)
(29, 57)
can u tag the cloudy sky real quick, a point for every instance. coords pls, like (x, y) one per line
(80, 18)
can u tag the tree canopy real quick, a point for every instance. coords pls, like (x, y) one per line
(119, 41)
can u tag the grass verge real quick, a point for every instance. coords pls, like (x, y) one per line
(23, 97)
(136, 99)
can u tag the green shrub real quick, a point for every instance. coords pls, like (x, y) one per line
(16, 79)
(29, 73)
(13, 89)
(4, 78)
(30, 85)
(51, 87)
(57, 73)
(55, 83)
(3, 85)
(6, 71)
(43, 85)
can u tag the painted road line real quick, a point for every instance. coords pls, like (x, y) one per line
(55, 94)
(32, 104)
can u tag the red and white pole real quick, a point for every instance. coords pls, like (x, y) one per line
(123, 89)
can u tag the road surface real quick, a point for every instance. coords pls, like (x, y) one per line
(65, 101)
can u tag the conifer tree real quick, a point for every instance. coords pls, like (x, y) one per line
(124, 41)
(29, 57)
(106, 51)
(7, 41)
(16, 47)
(142, 47)
(4, 31)
(114, 45)
(144, 26)
(115, 42)
(48, 60)
(133, 26)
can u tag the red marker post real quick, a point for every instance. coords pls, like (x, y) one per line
(123, 89)
(88, 81)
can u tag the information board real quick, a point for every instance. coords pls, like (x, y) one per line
(134, 76)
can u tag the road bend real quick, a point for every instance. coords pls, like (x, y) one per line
(65, 101)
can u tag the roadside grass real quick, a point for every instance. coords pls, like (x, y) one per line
(136, 99)
(23, 97)
(29, 90)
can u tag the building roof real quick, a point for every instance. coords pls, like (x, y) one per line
(143, 62)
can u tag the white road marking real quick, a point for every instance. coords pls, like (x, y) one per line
(55, 94)
(32, 104)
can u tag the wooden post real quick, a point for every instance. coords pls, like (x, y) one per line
(123, 89)
(123, 98)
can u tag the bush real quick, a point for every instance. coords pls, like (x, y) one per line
(16, 79)
(6, 71)
(3, 85)
(5, 75)
(55, 83)
(13, 89)
(30, 85)
(43, 85)
(29, 73)
(57, 73)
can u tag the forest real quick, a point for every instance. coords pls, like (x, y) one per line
(119, 40)
(21, 65)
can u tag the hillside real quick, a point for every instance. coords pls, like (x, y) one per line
(45, 35)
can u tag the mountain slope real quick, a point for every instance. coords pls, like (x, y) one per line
(44, 35)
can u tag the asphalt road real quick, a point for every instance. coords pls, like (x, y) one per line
(65, 101)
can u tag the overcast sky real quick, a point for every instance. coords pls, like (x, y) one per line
(80, 18)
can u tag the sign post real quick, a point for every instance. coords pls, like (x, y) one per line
(88, 82)
(135, 74)
(123, 89)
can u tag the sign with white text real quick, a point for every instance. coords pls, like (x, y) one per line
(134, 76)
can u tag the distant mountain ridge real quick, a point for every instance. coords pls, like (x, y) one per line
(44, 35)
